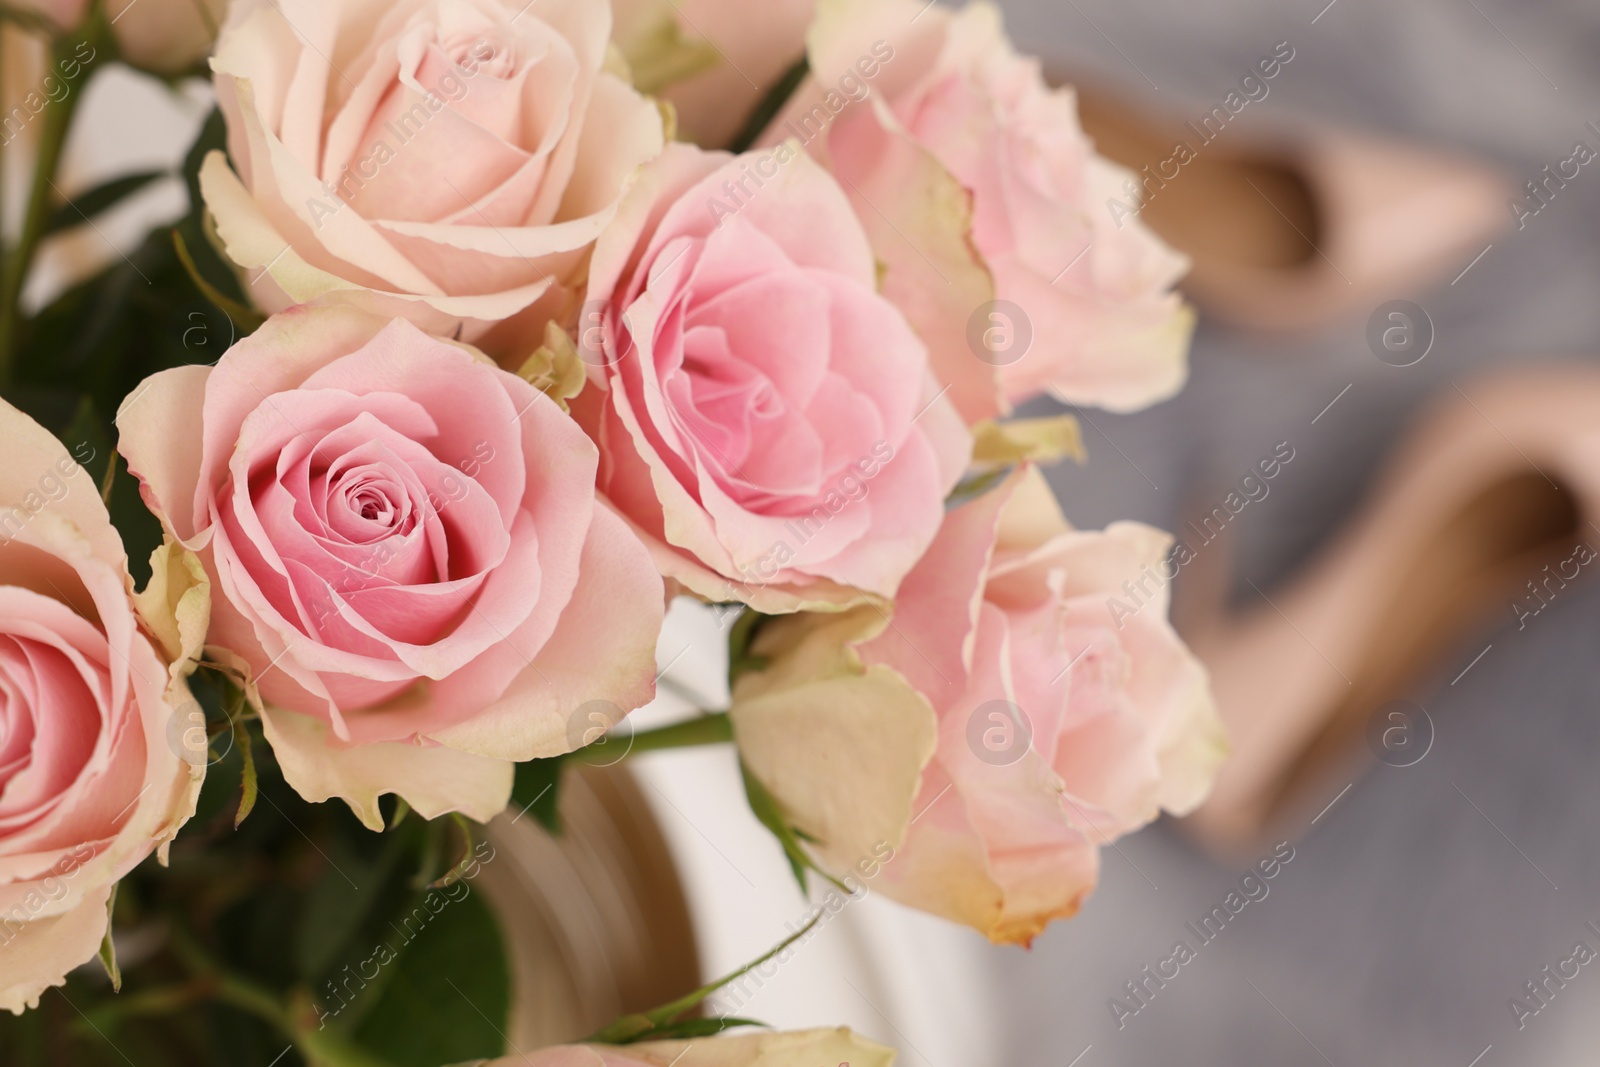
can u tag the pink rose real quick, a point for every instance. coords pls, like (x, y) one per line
(449, 163)
(1085, 306)
(409, 556)
(166, 36)
(766, 419)
(713, 60)
(1056, 716)
(94, 775)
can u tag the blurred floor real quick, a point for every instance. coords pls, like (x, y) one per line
(1426, 897)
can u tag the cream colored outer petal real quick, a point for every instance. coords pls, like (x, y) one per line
(841, 746)
(943, 868)
(36, 467)
(799, 1048)
(434, 780)
(277, 276)
(38, 954)
(166, 462)
(1194, 747)
(175, 606)
(1032, 516)
(1130, 369)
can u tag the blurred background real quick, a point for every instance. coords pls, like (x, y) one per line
(1421, 899)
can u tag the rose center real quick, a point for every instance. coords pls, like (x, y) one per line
(377, 502)
(486, 52)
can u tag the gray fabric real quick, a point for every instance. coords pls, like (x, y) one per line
(1407, 920)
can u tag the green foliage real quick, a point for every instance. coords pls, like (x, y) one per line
(455, 979)
(741, 635)
(538, 790)
(86, 205)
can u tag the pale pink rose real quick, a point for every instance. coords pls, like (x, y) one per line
(1088, 312)
(93, 709)
(446, 162)
(64, 13)
(166, 36)
(1056, 720)
(799, 1048)
(766, 420)
(407, 551)
(734, 56)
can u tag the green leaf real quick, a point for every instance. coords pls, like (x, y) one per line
(101, 198)
(689, 1028)
(108, 948)
(765, 806)
(974, 486)
(450, 993)
(249, 786)
(468, 858)
(247, 318)
(537, 791)
(89, 441)
(665, 1022)
(740, 637)
(339, 923)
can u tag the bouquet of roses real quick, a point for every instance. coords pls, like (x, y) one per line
(345, 509)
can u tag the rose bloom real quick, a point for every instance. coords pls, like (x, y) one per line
(165, 36)
(801, 1048)
(766, 420)
(449, 163)
(94, 708)
(738, 56)
(408, 555)
(1015, 716)
(1088, 311)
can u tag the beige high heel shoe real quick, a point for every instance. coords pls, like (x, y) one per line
(1292, 232)
(595, 919)
(1489, 513)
